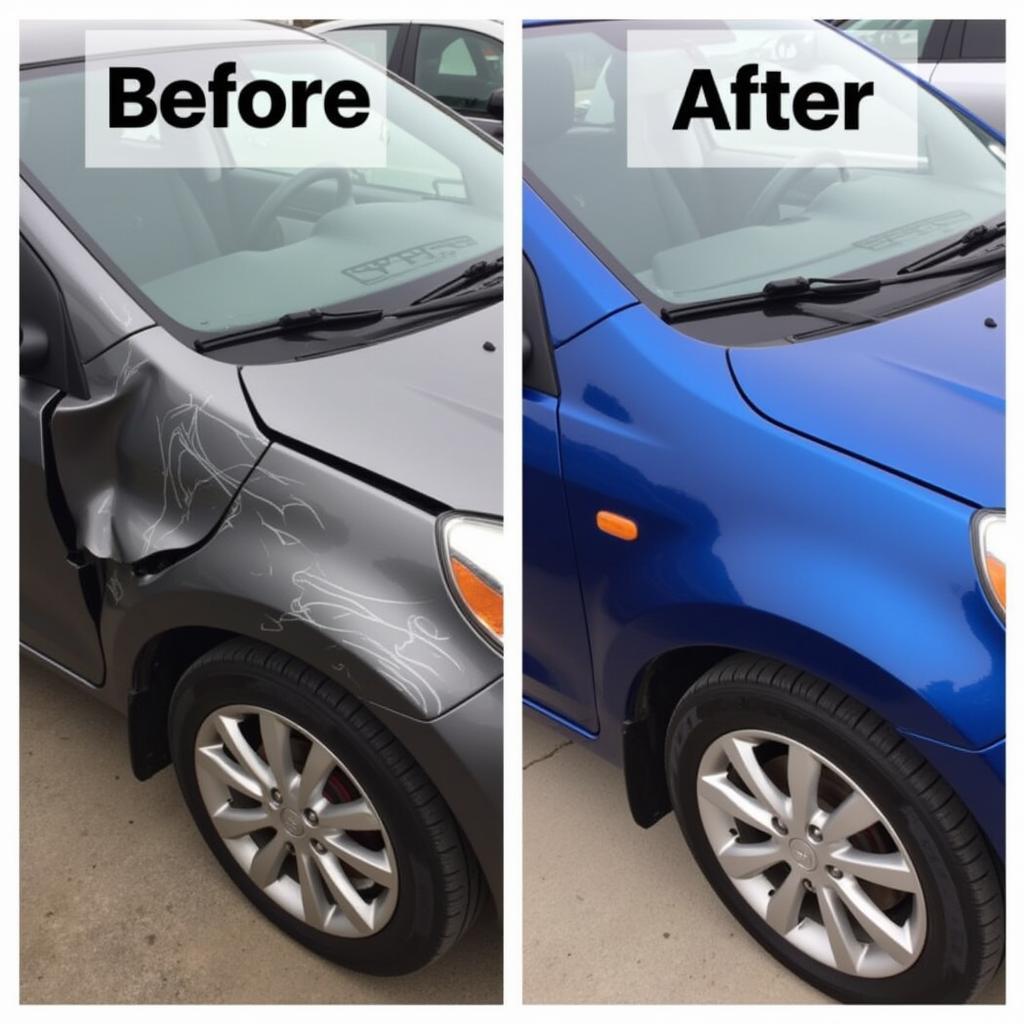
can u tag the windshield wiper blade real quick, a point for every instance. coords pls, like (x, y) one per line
(980, 234)
(479, 296)
(787, 290)
(795, 290)
(473, 273)
(292, 323)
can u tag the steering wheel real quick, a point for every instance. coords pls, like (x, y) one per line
(766, 207)
(296, 183)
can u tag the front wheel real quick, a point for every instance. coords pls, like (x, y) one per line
(317, 813)
(831, 839)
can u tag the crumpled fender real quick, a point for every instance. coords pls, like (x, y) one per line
(151, 461)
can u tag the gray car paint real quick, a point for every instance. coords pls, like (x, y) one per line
(150, 462)
(423, 410)
(326, 567)
(191, 517)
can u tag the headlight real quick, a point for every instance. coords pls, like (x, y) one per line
(472, 555)
(990, 553)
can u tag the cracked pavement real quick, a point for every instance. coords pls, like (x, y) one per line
(617, 914)
(129, 905)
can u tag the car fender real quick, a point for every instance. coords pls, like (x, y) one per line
(326, 567)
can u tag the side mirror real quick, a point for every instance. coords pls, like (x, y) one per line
(527, 350)
(496, 105)
(33, 349)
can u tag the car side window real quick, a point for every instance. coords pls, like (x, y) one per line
(360, 40)
(893, 36)
(983, 40)
(458, 67)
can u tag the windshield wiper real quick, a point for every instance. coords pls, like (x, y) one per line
(980, 234)
(292, 323)
(321, 320)
(479, 296)
(795, 290)
(473, 273)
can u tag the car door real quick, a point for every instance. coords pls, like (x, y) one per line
(57, 588)
(356, 37)
(459, 67)
(556, 648)
(973, 69)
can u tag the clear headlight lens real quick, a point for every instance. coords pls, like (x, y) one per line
(990, 552)
(473, 558)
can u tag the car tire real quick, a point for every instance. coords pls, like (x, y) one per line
(948, 904)
(431, 886)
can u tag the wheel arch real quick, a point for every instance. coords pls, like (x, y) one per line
(665, 674)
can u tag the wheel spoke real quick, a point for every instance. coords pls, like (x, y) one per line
(215, 762)
(354, 816)
(853, 815)
(374, 864)
(345, 894)
(783, 909)
(265, 868)
(319, 764)
(718, 790)
(315, 905)
(745, 860)
(229, 730)
(742, 756)
(891, 937)
(803, 770)
(232, 822)
(846, 948)
(277, 743)
(888, 869)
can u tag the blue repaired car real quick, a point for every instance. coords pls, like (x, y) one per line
(764, 493)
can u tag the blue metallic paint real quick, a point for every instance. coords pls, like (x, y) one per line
(754, 537)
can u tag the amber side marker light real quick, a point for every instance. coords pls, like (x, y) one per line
(473, 558)
(617, 526)
(990, 548)
(480, 597)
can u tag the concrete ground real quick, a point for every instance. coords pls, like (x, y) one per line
(122, 902)
(617, 914)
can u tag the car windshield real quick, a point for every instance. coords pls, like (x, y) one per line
(189, 242)
(729, 222)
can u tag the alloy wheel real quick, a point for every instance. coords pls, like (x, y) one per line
(811, 853)
(296, 820)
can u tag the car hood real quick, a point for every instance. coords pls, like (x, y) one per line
(923, 394)
(422, 411)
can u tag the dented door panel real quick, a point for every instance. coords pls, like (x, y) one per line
(150, 463)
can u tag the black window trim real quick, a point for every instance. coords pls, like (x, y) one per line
(953, 53)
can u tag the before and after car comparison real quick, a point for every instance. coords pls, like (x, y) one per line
(265, 390)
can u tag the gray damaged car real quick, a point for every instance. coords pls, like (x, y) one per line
(261, 496)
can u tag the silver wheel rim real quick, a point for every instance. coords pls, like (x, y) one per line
(296, 820)
(811, 853)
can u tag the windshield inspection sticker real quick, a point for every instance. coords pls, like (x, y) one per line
(762, 97)
(159, 97)
(406, 260)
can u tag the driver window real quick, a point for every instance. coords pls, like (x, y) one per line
(458, 67)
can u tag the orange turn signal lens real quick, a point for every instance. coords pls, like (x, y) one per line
(617, 526)
(472, 553)
(997, 578)
(991, 555)
(480, 598)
